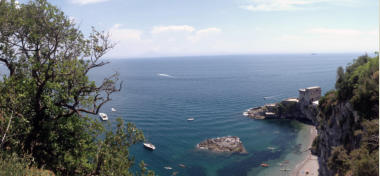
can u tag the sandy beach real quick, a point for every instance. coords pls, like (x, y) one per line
(310, 165)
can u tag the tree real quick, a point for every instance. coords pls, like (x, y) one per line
(357, 85)
(46, 94)
(338, 160)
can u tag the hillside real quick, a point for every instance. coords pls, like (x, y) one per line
(347, 121)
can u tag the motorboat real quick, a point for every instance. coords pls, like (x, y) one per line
(149, 146)
(113, 109)
(190, 119)
(103, 116)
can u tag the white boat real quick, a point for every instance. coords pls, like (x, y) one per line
(103, 116)
(190, 119)
(168, 168)
(113, 109)
(149, 146)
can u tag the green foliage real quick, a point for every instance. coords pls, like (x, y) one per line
(328, 102)
(11, 164)
(46, 96)
(114, 154)
(286, 108)
(364, 163)
(339, 160)
(364, 160)
(358, 84)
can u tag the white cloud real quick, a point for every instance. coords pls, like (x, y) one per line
(118, 33)
(159, 29)
(129, 42)
(288, 5)
(84, 2)
(208, 30)
(168, 40)
(204, 33)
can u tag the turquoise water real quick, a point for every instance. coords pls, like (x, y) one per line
(159, 94)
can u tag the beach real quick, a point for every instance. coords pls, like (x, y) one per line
(295, 163)
(309, 166)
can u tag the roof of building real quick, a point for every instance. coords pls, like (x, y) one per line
(272, 104)
(314, 87)
(292, 99)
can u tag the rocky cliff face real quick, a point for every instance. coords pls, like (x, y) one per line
(336, 126)
(339, 130)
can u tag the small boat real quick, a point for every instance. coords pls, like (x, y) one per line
(182, 165)
(113, 109)
(190, 119)
(103, 116)
(168, 168)
(149, 146)
(271, 148)
(264, 165)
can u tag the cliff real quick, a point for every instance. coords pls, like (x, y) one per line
(339, 130)
(346, 119)
(347, 122)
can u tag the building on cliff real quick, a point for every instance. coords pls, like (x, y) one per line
(310, 95)
(302, 107)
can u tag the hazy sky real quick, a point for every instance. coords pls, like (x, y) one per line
(145, 28)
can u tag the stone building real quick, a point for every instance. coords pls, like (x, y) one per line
(309, 95)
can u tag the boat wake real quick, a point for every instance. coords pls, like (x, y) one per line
(165, 75)
(271, 97)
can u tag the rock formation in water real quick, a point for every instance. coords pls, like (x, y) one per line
(223, 144)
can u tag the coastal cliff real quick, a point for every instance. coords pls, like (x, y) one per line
(347, 122)
(339, 130)
(346, 119)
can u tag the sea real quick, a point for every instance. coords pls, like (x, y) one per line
(160, 94)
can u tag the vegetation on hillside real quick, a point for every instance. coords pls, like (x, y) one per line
(46, 97)
(358, 85)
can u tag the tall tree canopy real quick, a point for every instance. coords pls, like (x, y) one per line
(46, 94)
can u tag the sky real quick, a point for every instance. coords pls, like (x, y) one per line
(159, 28)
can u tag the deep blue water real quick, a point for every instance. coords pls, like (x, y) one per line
(215, 90)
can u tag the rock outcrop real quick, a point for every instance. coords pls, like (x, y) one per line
(289, 108)
(338, 131)
(230, 144)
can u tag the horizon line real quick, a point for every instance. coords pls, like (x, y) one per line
(241, 54)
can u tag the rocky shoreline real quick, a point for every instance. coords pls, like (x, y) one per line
(290, 108)
(305, 109)
(227, 144)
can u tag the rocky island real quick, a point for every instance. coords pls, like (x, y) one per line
(229, 144)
